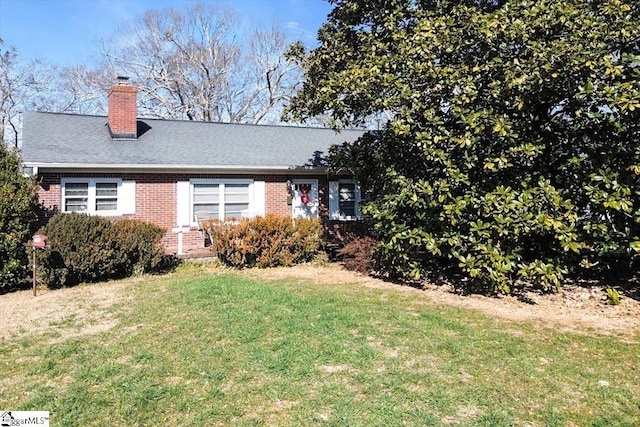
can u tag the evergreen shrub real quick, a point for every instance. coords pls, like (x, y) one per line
(18, 205)
(267, 241)
(82, 248)
(140, 244)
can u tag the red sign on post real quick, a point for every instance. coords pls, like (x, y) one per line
(39, 241)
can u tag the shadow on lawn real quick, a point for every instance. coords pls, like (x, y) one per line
(624, 280)
(168, 264)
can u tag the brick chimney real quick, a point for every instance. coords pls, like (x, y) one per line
(123, 110)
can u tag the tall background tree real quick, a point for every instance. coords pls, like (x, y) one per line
(513, 152)
(200, 64)
(21, 85)
(7, 102)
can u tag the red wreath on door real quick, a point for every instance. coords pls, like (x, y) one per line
(304, 193)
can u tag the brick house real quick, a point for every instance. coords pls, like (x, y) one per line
(176, 173)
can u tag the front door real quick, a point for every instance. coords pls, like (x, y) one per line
(305, 202)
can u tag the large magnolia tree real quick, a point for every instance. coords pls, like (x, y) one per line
(513, 151)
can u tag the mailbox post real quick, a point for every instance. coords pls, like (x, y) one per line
(38, 241)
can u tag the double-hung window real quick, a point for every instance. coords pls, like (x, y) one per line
(347, 200)
(102, 196)
(75, 196)
(206, 201)
(220, 199)
(236, 200)
(344, 200)
(106, 196)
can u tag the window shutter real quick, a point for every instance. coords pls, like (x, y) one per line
(127, 197)
(183, 203)
(259, 198)
(334, 200)
(358, 200)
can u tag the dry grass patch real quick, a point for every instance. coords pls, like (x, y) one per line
(573, 308)
(66, 313)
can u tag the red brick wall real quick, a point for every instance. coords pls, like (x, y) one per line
(123, 111)
(276, 196)
(49, 193)
(156, 199)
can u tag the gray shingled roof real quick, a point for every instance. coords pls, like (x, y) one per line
(67, 139)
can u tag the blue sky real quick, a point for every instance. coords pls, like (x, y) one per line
(64, 32)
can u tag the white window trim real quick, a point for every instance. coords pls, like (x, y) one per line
(252, 195)
(335, 209)
(91, 196)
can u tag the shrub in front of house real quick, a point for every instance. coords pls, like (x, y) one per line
(82, 248)
(268, 241)
(79, 249)
(358, 252)
(140, 245)
(354, 245)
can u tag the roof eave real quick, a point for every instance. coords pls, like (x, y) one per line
(42, 167)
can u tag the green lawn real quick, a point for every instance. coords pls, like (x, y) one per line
(202, 349)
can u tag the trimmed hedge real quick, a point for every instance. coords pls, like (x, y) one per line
(82, 248)
(140, 243)
(267, 241)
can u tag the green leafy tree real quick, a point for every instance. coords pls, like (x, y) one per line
(18, 203)
(513, 147)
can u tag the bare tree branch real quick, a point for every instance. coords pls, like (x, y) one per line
(196, 65)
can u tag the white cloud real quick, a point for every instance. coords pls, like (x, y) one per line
(292, 25)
